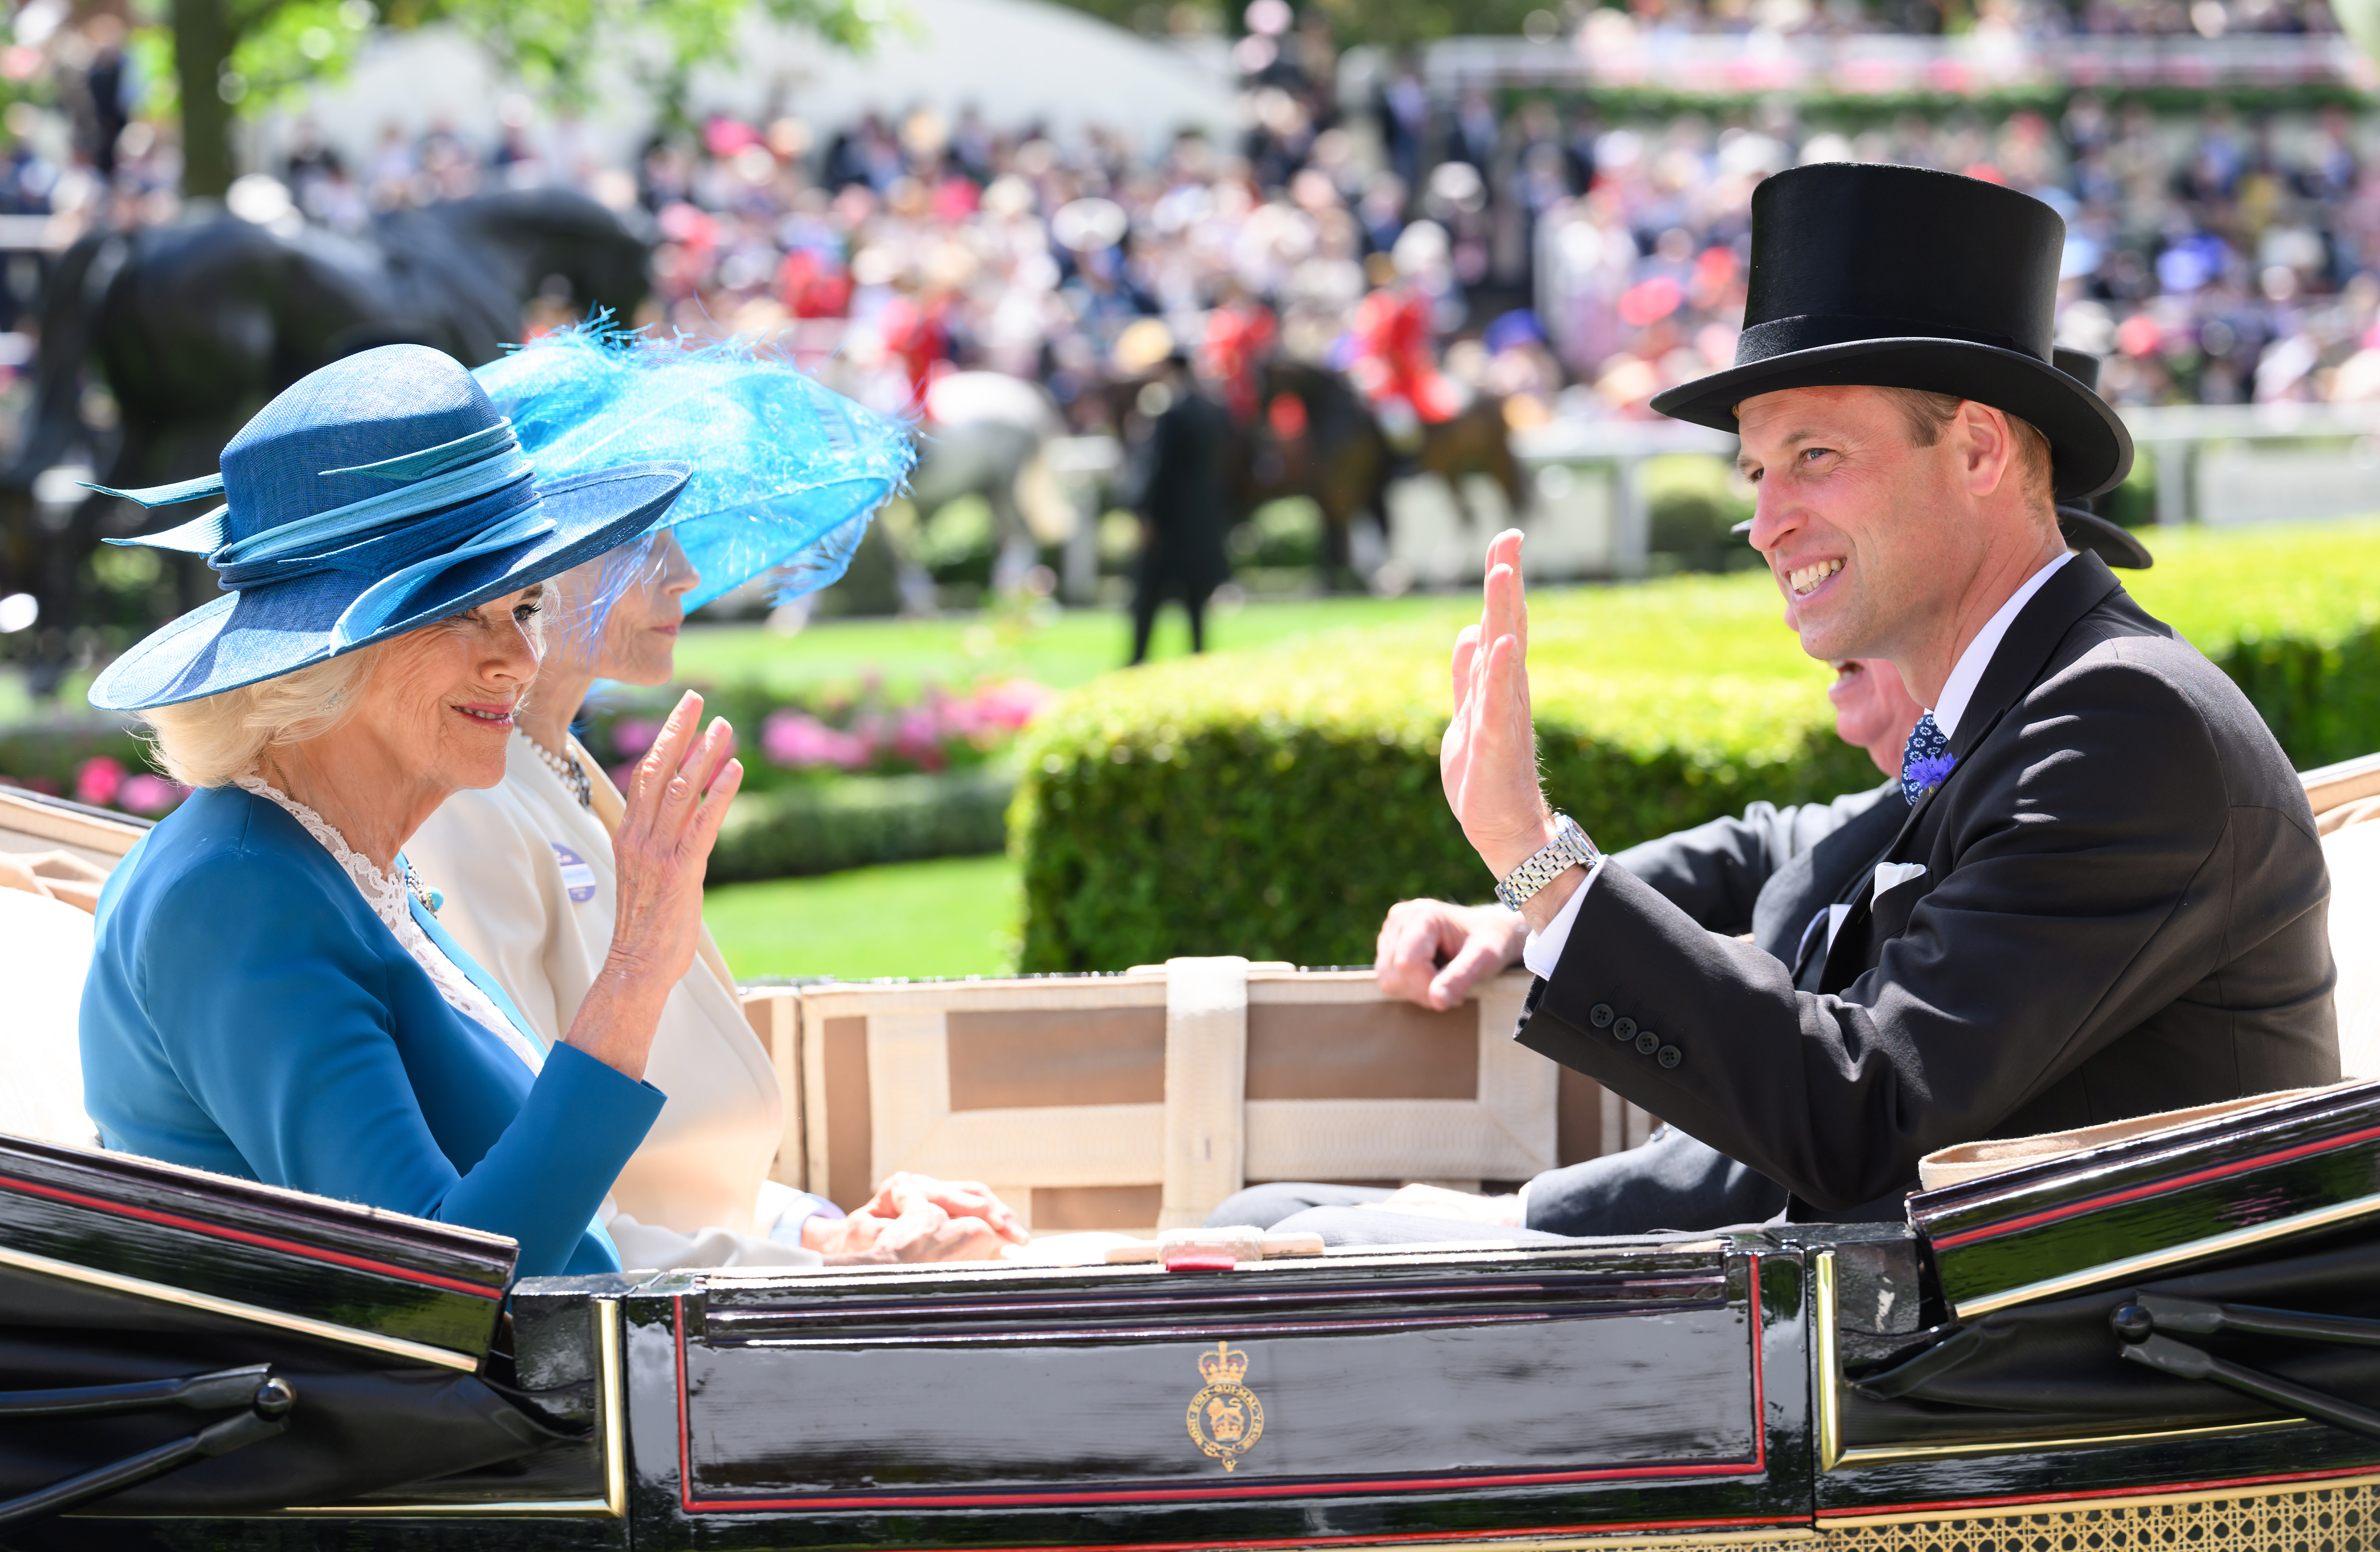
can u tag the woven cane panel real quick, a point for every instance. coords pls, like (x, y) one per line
(2318, 1520)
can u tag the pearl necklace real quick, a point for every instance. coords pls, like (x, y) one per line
(567, 767)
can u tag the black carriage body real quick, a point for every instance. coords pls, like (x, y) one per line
(1787, 1385)
(1637, 1387)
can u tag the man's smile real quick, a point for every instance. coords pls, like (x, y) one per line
(1804, 580)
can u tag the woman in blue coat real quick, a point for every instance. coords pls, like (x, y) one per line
(270, 993)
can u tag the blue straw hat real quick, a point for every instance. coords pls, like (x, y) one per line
(381, 494)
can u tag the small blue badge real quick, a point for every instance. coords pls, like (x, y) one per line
(577, 878)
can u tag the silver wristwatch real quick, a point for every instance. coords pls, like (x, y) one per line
(1570, 845)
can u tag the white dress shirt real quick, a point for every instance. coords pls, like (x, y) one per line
(1544, 948)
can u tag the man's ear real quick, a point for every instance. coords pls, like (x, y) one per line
(1986, 447)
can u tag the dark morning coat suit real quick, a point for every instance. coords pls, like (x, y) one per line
(2122, 911)
(1768, 874)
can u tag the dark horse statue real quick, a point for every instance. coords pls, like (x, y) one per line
(194, 326)
(1344, 461)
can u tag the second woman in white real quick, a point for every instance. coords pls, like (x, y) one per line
(525, 871)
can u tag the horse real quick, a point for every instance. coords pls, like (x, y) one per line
(196, 325)
(984, 435)
(1333, 451)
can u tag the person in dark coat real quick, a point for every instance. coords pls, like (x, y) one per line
(2105, 898)
(1177, 488)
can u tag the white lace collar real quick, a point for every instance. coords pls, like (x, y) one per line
(385, 894)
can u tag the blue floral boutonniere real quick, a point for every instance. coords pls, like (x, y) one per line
(1927, 759)
(1920, 776)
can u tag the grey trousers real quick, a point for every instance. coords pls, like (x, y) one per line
(1671, 1183)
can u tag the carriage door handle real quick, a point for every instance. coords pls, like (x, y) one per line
(264, 1400)
(2137, 1325)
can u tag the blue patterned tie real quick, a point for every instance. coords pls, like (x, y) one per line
(1927, 759)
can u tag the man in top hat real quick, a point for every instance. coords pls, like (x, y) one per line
(2105, 898)
(1774, 874)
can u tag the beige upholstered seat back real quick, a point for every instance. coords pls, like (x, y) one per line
(58, 849)
(2353, 853)
(1138, 1101)
(44, 950)
(2346, 799)
(53, 860)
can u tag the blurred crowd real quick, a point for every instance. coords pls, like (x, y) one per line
(1434, 248)
(2213, 260)
(2039, 19)
(1571, 266)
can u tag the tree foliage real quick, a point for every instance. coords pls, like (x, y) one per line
(243, 56)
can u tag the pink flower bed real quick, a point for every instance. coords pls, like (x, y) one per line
(926, 736)
(103, 782)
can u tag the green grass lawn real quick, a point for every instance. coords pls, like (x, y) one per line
(955, 916)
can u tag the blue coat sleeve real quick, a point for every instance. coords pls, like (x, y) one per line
(280, 1023)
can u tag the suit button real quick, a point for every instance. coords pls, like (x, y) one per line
(1647, 1042)
(1670, 1056)
(1599, 1015)
(1624, 1029)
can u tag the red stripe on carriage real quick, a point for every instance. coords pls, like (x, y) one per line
(994, 1499)
(2051, 1215)
(220, 1231)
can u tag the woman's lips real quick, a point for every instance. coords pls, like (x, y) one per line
(489, 716)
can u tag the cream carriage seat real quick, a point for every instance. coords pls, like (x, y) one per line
(53, 858)
(44, 951)
(2347, 809)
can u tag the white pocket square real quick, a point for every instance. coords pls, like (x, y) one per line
(1892, 876)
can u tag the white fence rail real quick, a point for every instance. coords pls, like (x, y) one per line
(1611, 53)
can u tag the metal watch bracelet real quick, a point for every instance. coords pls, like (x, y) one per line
(1570, 845)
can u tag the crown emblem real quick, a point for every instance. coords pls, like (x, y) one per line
(1222, 1366)
(1225, 1418)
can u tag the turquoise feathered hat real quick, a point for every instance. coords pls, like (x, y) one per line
(787, 472)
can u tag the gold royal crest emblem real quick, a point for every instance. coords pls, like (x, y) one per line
(1226, 1418)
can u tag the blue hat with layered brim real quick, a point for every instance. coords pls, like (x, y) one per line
(375, 496)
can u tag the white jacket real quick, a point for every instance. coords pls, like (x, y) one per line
(531, 891)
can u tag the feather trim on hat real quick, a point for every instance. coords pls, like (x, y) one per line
(787, 471)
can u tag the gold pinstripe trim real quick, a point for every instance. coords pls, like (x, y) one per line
(164, 1293)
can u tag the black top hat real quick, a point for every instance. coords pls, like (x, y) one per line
(1899, 277)
(2084, 529)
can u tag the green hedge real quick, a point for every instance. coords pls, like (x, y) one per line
(1273, 803)
(858, 821)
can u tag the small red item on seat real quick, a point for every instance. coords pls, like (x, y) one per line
(1200, 1259)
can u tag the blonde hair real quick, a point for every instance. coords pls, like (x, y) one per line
(212, 742)
(1928, 415)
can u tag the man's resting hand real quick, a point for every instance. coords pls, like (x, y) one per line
(1433, 952)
